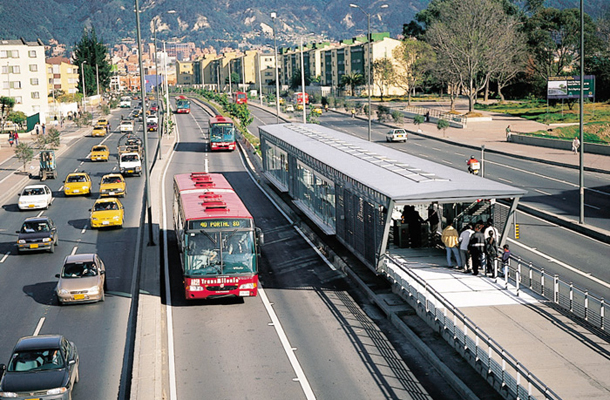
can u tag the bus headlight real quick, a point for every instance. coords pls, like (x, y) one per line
(250, 286)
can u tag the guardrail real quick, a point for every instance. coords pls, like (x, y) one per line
(578, 301)
(494, 363)
(437, 114)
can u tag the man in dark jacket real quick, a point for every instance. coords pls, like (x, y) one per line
(477, 248)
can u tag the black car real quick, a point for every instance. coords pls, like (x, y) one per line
(41, 367)
(37, 233)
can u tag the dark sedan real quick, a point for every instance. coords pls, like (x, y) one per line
(41, 367)
(151, 126)
(37, 233)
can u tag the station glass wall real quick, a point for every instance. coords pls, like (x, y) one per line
(317, 193)
(276, 164)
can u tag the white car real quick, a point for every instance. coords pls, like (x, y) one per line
(34, 197)
(396, 135)
(126, 126)
(152, 118)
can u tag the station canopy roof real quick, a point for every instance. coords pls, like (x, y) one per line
(404, 178)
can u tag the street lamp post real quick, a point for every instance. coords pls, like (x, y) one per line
(277, 74)
(97, 80)
(151, 240)
(303, 84)
(82, 70)
(167, 111)
(368, 78)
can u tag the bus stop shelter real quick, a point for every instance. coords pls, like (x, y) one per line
(359, 191)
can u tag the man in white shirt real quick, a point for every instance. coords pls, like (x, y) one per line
(464, 242)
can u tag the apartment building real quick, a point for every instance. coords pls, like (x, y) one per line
(24, 76)
(61, 76)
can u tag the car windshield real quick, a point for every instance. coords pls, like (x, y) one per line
(36, 360)
(33, 192)
(399, 131)
(76, 178)
(218, 253)
(31, 227)
(111, 179)
(105, 206)
(129, 157)
(79, 270)
(222, 133)
(99, 148)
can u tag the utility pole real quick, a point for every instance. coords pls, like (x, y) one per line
(277, 75)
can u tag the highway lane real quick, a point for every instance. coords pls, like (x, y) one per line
(585, 258)
(28, 299)
(219, 343)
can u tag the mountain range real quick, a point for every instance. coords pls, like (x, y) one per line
(220, 24)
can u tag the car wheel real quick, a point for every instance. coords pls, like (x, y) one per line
(103, 298)
(56, 240)
(52, 248)
(77, 377)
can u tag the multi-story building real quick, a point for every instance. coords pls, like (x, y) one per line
(24, 76)
(62, 76)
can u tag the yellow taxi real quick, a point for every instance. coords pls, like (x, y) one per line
(99, 130)
(107, 212)
(100, 152)
(104, 122)
(77, 183)
(316, 110)
(113, 185)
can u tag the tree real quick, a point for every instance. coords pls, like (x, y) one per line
(553, 38)
(413, 59)
(24, 153)
(468, 37)
(50, 140)
(295, 81)
(18, 117)
(352, 80)
(6, 105)
(95, 53)
(383, 74)
(442, 124)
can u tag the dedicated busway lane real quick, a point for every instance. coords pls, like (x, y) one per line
(97, 329)
(220, 342)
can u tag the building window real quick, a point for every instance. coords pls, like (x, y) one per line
(11, 69)
(35, 95)
(16, 85)
(32, 53)
(3, 54)
(33, 68)
(15, 54)
(18, 100)
(34, 81)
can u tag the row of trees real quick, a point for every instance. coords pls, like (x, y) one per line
(466, 45)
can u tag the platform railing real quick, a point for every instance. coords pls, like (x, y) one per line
(510, 378)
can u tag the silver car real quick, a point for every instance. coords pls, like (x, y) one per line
(396, 135)
(41, 367)
(82, 279)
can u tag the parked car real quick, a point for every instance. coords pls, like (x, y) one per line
(37, 233)
(82, 279)
(113, 185)
(77, 183)
(40, 367)
(34, 197)
(107, 212)
(396, 135)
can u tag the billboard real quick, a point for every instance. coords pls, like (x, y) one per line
(568, 87)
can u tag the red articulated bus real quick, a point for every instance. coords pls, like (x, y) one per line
(240, 98)
(222, 133)
(183, 105)
(218, 242)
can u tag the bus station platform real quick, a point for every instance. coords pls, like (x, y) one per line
(563, 352)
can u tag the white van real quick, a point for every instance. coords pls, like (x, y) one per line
(125, 102)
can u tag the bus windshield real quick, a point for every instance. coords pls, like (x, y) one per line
(210, 253)
(222, 133)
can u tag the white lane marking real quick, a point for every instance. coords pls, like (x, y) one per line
(74, 250)
(447, 162)
(39, 326)
(39, 214)
(76, 169)
(542, 191)
(423, 155)
(173, 395)
(5, 257)
(588, 205)
(547, 177)
(566, 266)
(505, 180)
(84, 229)
(61, 188)
(288, 349)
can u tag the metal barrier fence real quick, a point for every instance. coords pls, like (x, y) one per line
(578, 301)
(438, 114)
(494, 363)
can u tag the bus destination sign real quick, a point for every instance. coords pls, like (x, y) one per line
(220, 224)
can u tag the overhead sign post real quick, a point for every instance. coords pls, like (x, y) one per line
(568, 87)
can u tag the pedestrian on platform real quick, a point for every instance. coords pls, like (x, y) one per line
(16, 138)
(505, 261)
(477, 248)
(464, 242)
(489, 226)
(411, 217)
(491, 253)
(575, 145)
(433, 218)
(427, 117)
(353, 113)
(451, 240)
(508, 132)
